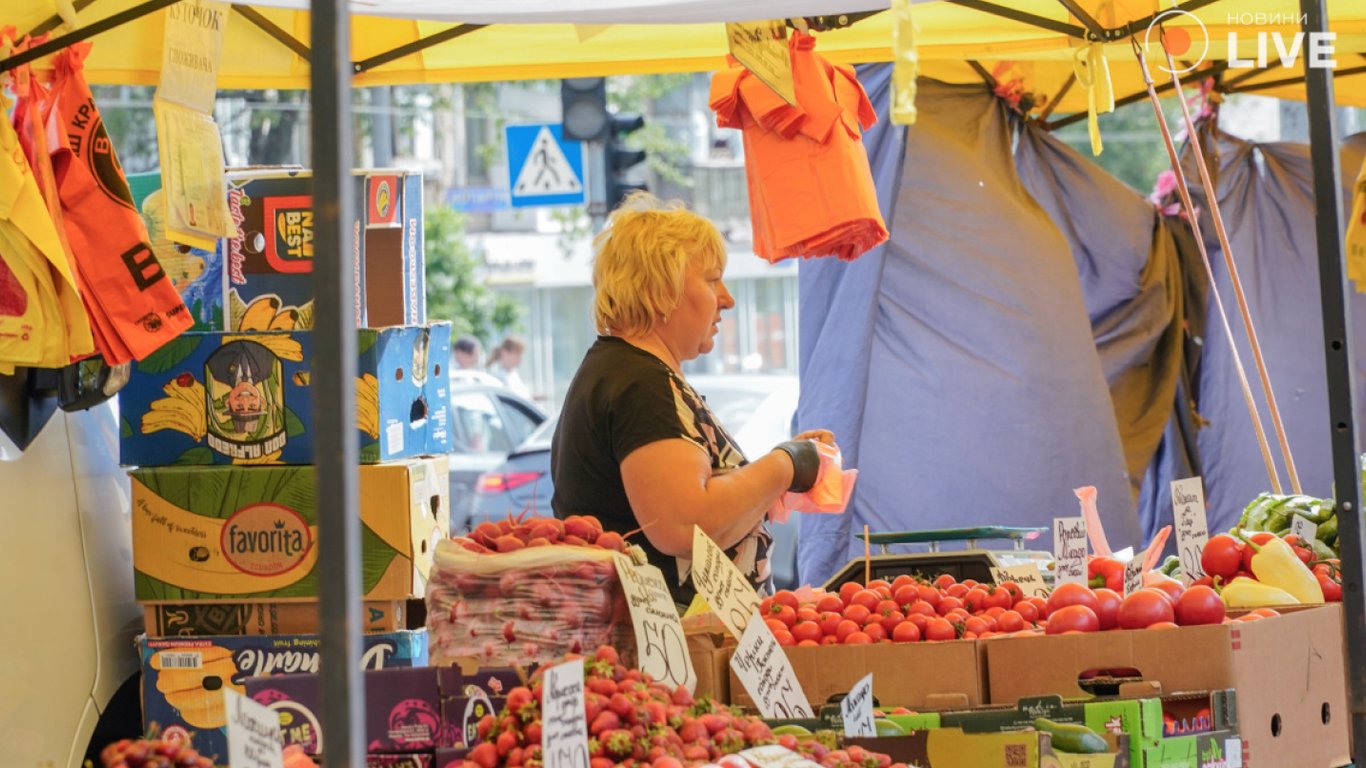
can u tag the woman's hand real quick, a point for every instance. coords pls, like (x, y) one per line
(819, 435)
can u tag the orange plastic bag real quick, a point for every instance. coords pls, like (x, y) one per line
(830, 495)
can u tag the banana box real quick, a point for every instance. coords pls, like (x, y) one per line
(260, 279)
(247, 398)
(251, 533)
(183, 678)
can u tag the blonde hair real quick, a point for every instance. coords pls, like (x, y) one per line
(640, 259)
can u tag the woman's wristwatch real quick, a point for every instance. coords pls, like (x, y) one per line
(806, 463)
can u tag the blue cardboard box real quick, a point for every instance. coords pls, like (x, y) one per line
(183, 678)
(246, 398)
(260, 278)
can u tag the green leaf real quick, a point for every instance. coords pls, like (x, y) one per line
(366, 340)
(375, 556)
(293, 426)
(199, 454)
(369, 453)
(125, 429)
(170, 355)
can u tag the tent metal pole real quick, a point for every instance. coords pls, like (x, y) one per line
(1328, 229)
(1042, 22)
(1094, 27)
(459, 30)
(1057, 98)
(274, 30)
(337, 448)
(1077, 117)
(1294, 80)
(1139, 25)
(58, 43)
(56, 19)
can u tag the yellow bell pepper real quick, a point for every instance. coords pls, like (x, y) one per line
(1243, 592)
(1276, 565)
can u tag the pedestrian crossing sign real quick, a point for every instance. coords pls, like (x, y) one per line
(545, 169)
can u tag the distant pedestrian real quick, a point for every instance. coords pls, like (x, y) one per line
(505, 359)
(467, 352)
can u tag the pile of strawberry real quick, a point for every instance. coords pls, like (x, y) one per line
(635, 721)
(514, 533)
(152, 753)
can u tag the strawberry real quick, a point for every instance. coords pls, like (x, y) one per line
(593, 704)
(602, 686)
(715, 723)
(607, 654)
(757, 732)
(682, 697)
(698, 753)
(484, 727)
(532, 732)
(788, 741)
(514, 758)
(607, 720)
(484, 755)
(601, 762)
(617, 743)
(621, 705)
(693, 731)
(657, 712)
(730, 741)
(667, 762)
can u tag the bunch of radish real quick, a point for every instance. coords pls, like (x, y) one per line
(635, 721)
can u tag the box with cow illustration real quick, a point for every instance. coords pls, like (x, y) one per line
(183, 678)
(247, 398)
(251, 533)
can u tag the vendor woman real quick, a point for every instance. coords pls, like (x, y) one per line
(636, 446)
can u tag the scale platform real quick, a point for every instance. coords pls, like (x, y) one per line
(972, 562)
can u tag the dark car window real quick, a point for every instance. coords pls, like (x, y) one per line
(479, 426)
(520, 421)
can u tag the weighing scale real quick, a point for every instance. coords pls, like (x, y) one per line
(971, 562)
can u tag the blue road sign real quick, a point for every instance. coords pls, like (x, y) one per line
(544, 168)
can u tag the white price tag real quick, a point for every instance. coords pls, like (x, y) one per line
(857, 709)
(1026, 576)
(564, 725)
(731, 596)
(1069, 550)
(1133, 576)
(766, 673)
(253, 733)
(1233, 753)
(1192, 530)
(774, 756)
(660, 642)
(1305, 529)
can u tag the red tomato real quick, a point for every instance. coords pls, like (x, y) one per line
(920, 606)
(876, 583)
(845, 629)
(784, 638)
(783, 613)
(807, 630)
(1222, 556)
(1199, 605)
(766, 606)
(886, 608)
(866, 598)
(1248, 552)
(969, 583)
(807, 613)
(857, 614)
(1332, 590)
(1010, 621)
(944, 581)
(958, 615)
(1163, 625)
(940, 629)
(977, 625)
(920, 620)
(1107, 608)
(1072, 618)
(929, 594)
(847, 590)
(1145, 607)
(1027, 610)
(975, 600)
(1305, 554)
(994, 612)
(1265, 613)
(807, 644)
(875, 631)
(1070, 594)
(829, 621)
(830, 603)
(901, 581)
(1169, 587)
(857, 638)
(786, 597)
(775, 625)
(892, 619)
(1039, 604)
(830, 640)
(905, 594)
(949, 604)
(1016, 593)
(1000, 597)
(906, 632)
(957, 590)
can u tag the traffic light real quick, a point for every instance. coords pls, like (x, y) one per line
(620, 159)
(583, 105)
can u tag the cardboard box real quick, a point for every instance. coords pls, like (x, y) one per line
(197, 274)
(250, 533)
(215, 398)
(710, 653)
(1303, 724)
(952, 748)
(407, 710)
(407, 760)
(213, 617)
(916, 675)
(183, 678)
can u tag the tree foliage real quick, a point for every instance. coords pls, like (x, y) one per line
(455, 289)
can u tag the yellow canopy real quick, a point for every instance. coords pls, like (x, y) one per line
(950, 34)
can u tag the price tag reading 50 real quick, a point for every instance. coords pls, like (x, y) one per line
(660, 643)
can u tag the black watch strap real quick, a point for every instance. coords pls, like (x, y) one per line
(806, 463)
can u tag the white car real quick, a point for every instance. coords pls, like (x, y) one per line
(68, 667)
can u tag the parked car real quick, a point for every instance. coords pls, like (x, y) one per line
(487, 422)
(756, 409)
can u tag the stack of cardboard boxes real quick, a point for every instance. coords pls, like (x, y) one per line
(218, 426)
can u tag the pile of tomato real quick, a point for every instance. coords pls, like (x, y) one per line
(1226, 557)
(908, 610)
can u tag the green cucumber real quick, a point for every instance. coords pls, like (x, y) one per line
(1067, 737)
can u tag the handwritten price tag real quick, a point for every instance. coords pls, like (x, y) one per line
(253, 732)
(1069, 550)
(774, 756)
(1192, 530)
(766, 673)
(1305, 529)
(564, 726)
(1133, 576)
(660, 642)
(857, 709)
(721, 584)
(1026, 576)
